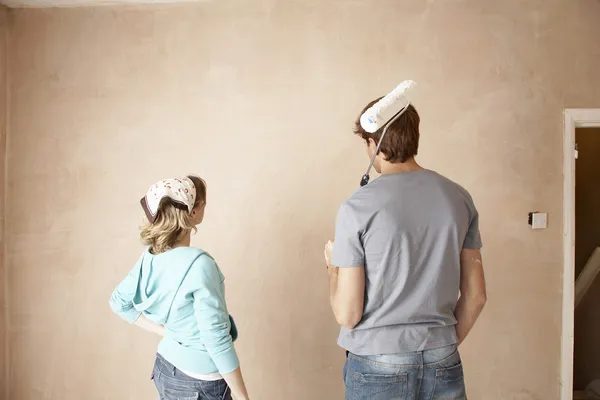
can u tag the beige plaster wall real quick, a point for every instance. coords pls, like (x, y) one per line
(587, 238)
(259, 98)
(3, 127)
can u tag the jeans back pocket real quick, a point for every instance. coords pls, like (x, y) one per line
(378, 386)
(450, 383)
(171, 394)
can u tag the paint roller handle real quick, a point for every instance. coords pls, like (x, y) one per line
(364, 180)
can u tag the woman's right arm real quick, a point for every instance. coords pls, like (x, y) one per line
(121, 299)
(214, 325)
(235, 381)
(150, 326)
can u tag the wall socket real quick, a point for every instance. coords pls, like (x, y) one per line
(538, 220)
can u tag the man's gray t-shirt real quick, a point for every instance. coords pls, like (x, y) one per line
(408, 230)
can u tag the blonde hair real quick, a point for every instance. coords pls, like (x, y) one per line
(172, 223)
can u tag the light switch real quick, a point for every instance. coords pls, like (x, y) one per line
(539, 220)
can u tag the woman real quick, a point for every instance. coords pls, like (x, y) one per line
(177, 291)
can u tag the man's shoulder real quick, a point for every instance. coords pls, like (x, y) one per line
(359, 205)
(363, 196)
(450, 184)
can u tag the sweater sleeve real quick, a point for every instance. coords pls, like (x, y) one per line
(212, 315)
(121, 300)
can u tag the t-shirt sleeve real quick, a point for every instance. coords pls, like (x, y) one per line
(347, 247)
(473, 238)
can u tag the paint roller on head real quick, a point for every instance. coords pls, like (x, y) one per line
(383, 114)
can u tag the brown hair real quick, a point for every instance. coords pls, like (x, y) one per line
(401, 141)
(171, 223)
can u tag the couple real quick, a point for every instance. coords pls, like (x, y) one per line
(405, 276)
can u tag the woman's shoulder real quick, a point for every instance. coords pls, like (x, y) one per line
(204, 267)
(186, 255)
(193, 252)
(201, 254)
(201, 258)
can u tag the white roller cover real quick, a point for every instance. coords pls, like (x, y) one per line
(381, 112)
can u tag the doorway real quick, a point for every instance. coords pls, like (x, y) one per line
(574, 121)
(586, 354)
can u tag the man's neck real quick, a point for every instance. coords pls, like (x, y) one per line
(388, 168)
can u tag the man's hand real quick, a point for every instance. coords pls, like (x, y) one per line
(347, 299)
(328, 250)
(472, 292)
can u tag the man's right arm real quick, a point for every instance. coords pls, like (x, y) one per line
(472, 292)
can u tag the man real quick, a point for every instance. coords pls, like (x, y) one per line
(406, 276)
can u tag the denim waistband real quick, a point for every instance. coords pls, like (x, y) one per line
(431, 356)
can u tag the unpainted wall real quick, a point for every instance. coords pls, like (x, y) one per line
(3, 127)
(259, 98)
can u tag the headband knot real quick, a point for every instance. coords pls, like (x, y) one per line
(181, 191)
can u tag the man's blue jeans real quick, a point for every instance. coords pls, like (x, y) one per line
(423, 375)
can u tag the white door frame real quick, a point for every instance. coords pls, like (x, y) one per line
(574, 118)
